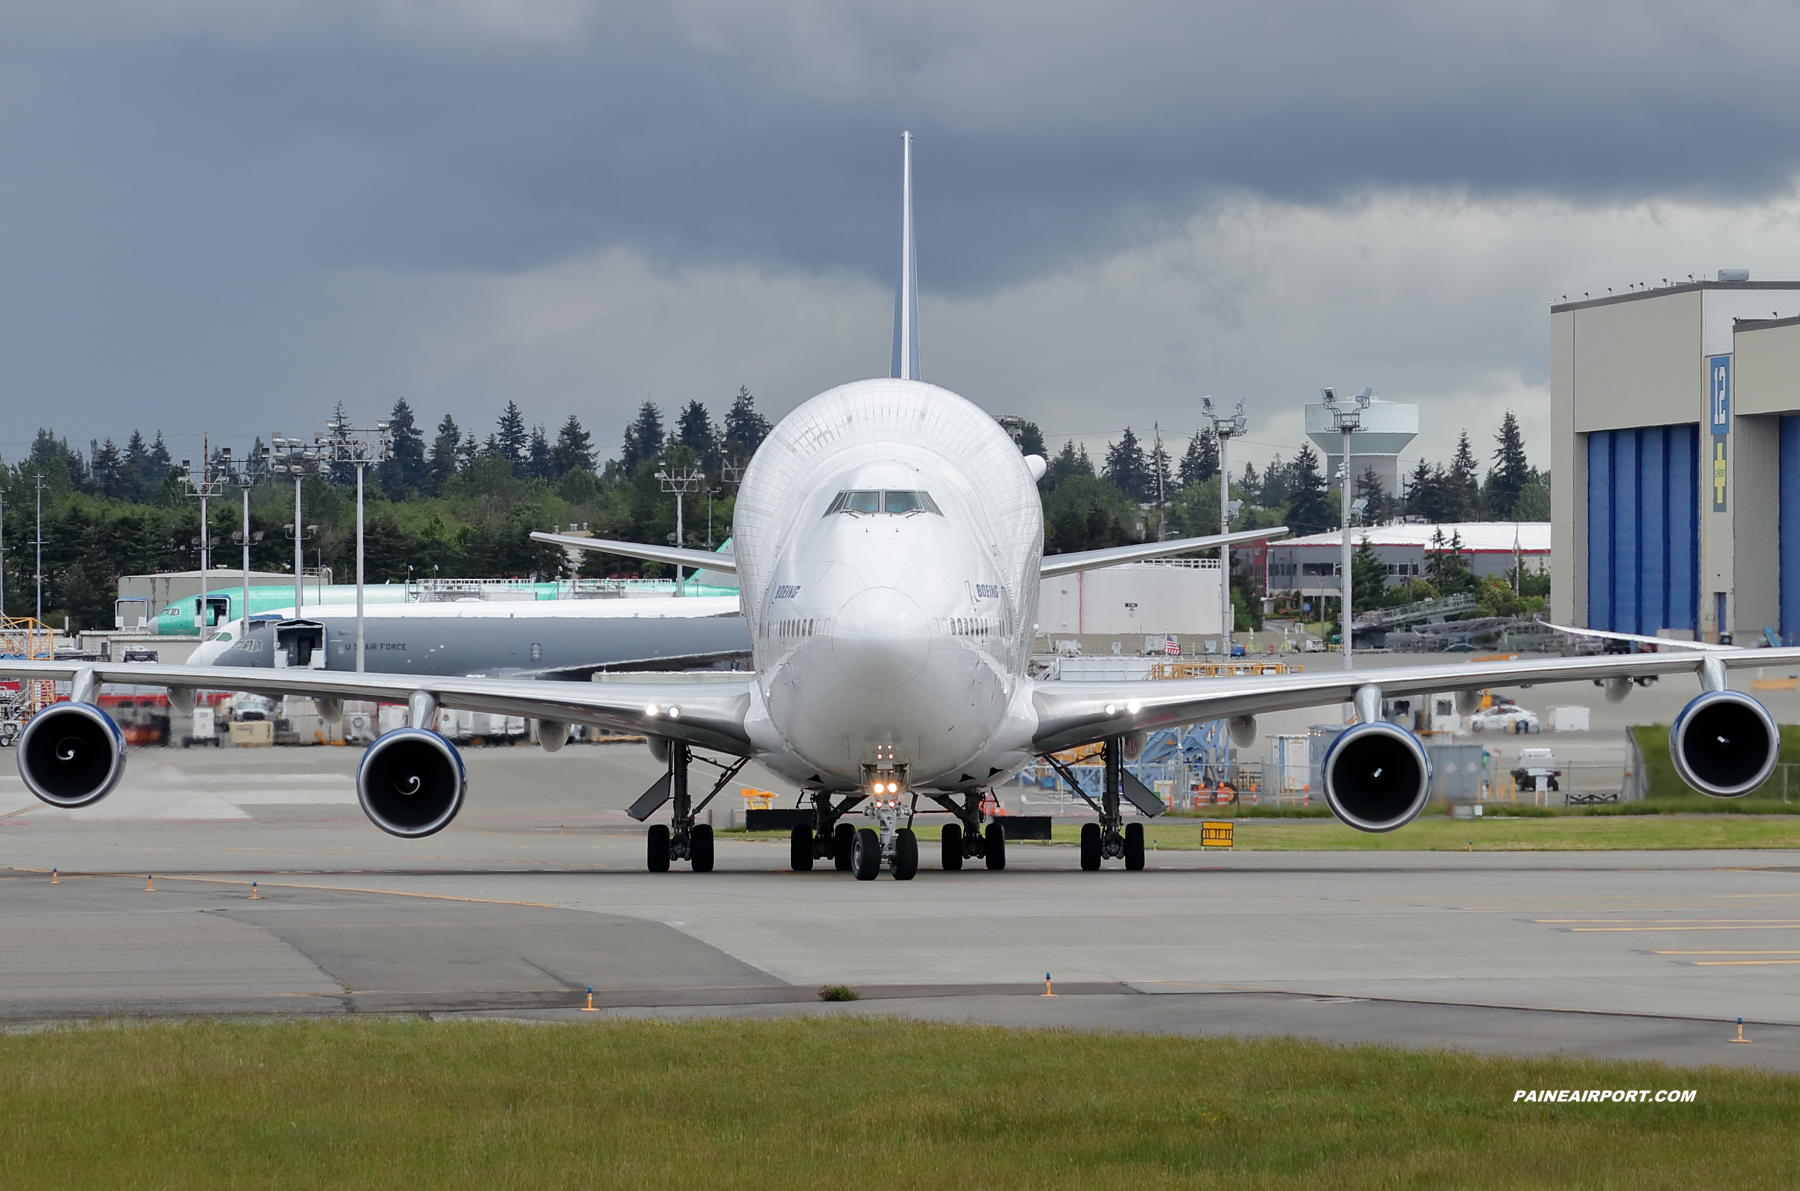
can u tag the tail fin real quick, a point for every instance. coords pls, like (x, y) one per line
(906, 297)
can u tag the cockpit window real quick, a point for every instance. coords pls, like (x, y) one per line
(897, 503)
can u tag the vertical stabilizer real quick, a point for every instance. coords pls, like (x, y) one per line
(906, 296)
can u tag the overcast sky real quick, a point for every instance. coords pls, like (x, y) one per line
(227, 215)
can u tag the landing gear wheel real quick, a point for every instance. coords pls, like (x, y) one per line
(800, 855)
(1134, 846)
(865, 858)
(700, 848)
(995, 852)
(906, 854)
(953, 856)
(1090, 847)
(843, 847)
(658, 850)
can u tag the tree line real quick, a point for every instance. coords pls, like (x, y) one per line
(454, 503)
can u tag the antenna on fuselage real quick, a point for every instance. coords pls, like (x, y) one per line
(906, 296)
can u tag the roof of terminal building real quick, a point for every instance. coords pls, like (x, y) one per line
(1763, 324)
(1477, 537)
(1685, 287)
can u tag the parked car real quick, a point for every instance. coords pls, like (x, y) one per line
(1507, 718)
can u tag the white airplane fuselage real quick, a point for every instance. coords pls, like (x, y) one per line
(898, 638)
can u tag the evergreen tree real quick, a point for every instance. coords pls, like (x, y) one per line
(1127, 469)
(1252, 490)
(694, 430)
(745, 429)
(108, 469)
(1424, 492)
(444, 448)
(1370, 488)
(1511, 470)
(1445, 566)
(1159, 484)
(1201, 462)
(1277, 486)
(468, 451)
(537, 455)
(1462, 487)
(133, 466)
(643, 437)
(573, 450)
(1031, 440)
(1308, 509)
(1368, 577)
(510, 439)
(404, 471)
(157, 470)
(1068, 464)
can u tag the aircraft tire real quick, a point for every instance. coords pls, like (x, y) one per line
(1090, 847)
(800, 855)
(906, 854)
(866, 856)
(995, 852)
(658, 848)
(953, 856)
(700, 848)
(843, 847)
(1134, 846)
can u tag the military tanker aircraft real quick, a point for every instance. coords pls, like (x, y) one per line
(889, 547)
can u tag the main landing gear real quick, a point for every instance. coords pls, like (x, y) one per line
(681, 838)
(965, 840)
(1112, 838)
(826, 838)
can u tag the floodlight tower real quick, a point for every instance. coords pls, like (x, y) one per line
(299, 462)
(205, 487)
(358, 447)
(1224, 429)
(681, 482)
(1347, 420)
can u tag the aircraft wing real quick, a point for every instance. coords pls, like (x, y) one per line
(1089, 560)
(706, 560)
(1076, 713)
(1660, 642)
(707, 714)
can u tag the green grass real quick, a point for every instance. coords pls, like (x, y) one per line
(844, 1102)
(1437, 833)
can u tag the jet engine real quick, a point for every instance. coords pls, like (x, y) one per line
(1724, 744)
(71, 754)
(1376, 776)
(411, 783)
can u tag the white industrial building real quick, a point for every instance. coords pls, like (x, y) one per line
(1309, 566)
(1675, 459)
(1167, 595)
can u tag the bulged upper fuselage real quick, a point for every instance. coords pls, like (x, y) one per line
(889, 537)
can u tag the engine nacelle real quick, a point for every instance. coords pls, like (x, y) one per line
(550, 734)
(71, 754)
(1376, 776)
(1724, 744)
(411, 783)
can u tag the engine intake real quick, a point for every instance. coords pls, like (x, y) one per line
(71, 754)
(1376, 776)
(1724, 744)
(411, 783)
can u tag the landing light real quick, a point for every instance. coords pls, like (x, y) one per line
(1132, 707)
(674, 712)
(1111, 709)
(652, 710)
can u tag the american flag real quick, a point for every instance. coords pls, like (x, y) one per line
(1171, 646)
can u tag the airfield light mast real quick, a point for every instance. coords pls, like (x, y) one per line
(1224, 429)
(297, 461)
(358, 448)
(681, 482)
(206, 487)
(1347, 420)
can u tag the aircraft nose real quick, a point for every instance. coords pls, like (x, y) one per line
(880, 638)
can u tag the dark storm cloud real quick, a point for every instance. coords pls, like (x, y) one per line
(178, 176)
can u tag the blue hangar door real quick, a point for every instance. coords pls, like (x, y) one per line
(1643, 537)
(1790, 530)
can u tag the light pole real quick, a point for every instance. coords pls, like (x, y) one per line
(1348, 420)
(1224, 429)
(690, 479)
(297, 461)
(39, 476)
(359, 448)
(244, 475)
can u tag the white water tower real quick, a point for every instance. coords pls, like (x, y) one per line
(1387, 428)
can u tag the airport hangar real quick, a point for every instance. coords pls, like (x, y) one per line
(1675, 460)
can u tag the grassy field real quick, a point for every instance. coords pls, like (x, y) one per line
(844, 1102)
(1437, 833)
